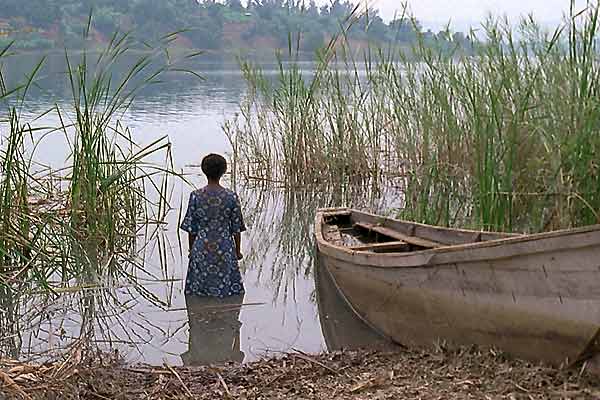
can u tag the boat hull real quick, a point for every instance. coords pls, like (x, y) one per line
(342, 329)
(536, 297)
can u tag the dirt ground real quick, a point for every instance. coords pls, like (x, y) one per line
(461, 374)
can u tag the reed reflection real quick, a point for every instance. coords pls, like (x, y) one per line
(146, 319)
(281, 220)
(85, 319)
(10, 340)
(214, 335)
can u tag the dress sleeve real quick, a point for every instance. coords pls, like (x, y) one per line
(237, 220)
(189, 223)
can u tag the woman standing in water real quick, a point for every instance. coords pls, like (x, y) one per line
(214, 224)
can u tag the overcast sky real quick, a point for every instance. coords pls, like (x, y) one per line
(436, 13)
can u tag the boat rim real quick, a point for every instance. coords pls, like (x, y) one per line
(516, 238)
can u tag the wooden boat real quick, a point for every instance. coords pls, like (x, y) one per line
(534, 296)
(342, 329)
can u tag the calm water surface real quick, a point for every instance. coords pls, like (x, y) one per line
(285, 309)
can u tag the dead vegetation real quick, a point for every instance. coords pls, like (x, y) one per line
(463, 374)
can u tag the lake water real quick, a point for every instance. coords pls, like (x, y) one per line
(283, 309)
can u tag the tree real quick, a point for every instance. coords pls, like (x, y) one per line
(405, 29)
(312, 40)
(376, 28)
(151, 19)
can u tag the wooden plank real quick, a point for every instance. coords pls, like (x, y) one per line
(447, 236)
(336, 212)
(332, 233)
(417, 241)
(388, 246)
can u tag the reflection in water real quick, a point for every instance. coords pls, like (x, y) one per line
(91, 318)
(214, 334)
(290, 310)
(281, 227)
(9, 325)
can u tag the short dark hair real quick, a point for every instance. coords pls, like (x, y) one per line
(214, 166)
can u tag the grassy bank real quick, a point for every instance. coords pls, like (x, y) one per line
(507, 139)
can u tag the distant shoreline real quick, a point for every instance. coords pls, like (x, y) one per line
(227, 54)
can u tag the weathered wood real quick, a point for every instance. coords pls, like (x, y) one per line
(333, 212)
(438, 234)
(382, 230)
(594, 365)
(342, 329)
(332, 234)
(386, 246)
(525, 294)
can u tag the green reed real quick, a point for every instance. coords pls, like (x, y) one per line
(494, 125)
(21, 230)
(282, 229)
(107, 200)
(506, 138)
(304, 121)
(86, 225)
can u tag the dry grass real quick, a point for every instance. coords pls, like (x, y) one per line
(463, 374)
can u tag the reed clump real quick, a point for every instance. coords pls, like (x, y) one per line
(304, 127)
(505, 136)
(83, 228)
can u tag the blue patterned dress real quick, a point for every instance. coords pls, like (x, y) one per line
(214, 215)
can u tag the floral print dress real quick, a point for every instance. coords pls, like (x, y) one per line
(214, 215)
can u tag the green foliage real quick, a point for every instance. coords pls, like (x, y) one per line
(208, 24)
(87, 224)
(507, 139)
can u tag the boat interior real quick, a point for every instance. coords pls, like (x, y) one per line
(341, 230)
(364, 232)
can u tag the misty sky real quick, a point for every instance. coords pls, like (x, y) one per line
(436, 13)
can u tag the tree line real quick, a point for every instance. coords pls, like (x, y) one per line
(208, 24)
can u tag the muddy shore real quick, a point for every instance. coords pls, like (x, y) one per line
(461, 374)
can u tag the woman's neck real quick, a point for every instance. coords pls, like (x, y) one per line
(213, 184)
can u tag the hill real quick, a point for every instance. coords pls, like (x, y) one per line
(208, 24)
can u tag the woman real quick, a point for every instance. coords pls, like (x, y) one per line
(214, 224)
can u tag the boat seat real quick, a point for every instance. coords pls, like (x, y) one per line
(398, 246)
(414, 240)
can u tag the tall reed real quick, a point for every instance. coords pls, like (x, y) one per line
(86, 225)
(306, 121)
(506, 138)
(108, 203)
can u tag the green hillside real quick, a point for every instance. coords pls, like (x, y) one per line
(46, 24)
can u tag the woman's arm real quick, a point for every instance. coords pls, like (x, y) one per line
(189, 223)
(191, 239)
(238, 245)
(237, 227)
